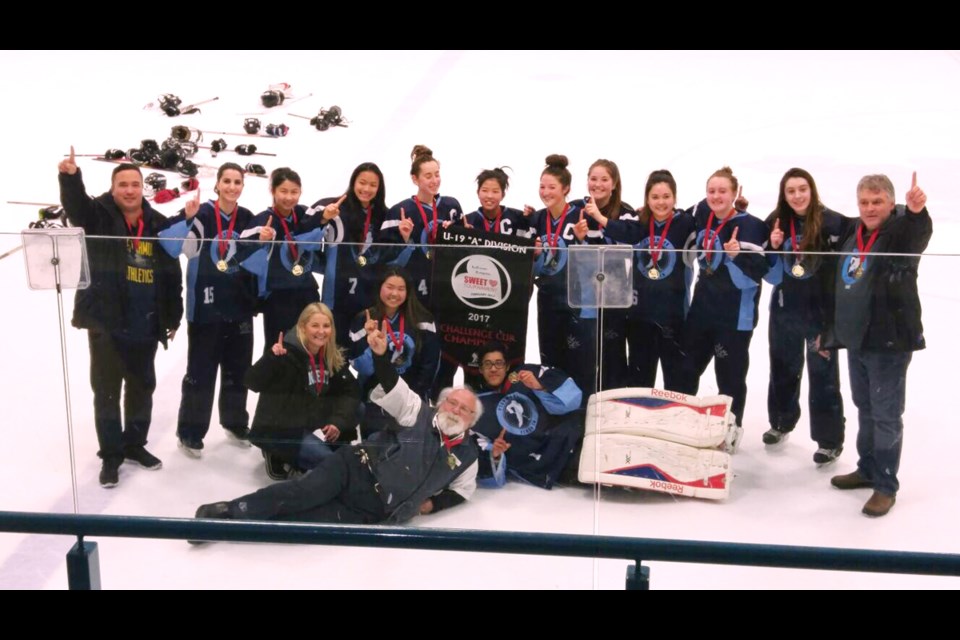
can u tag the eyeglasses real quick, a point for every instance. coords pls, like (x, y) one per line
(493, 364)
(459, 407)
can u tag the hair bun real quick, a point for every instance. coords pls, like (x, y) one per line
(556, 160)
(420, 151)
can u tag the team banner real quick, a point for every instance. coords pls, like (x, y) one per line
(482, 284)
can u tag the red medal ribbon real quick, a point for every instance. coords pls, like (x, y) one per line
(286, 232)
(708, 244)
(423, 216)
(863, 251)
(396, 338)
(366, 225)
(318, 373)
(224, 245)
(496, 222)
(793, 237)
(655, 254)
(556, 237)
(136, 240)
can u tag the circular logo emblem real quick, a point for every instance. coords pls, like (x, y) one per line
(643, 259)
(481, 282)
(518, 414)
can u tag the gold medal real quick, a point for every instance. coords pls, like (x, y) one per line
(361, 261)
(451, 461)
(297, 270)
(798, 271)
(653, 274)
(221, 265)
(514, 377)
(858, 273)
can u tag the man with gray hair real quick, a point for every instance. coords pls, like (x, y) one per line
(878, 320)
(424, 465)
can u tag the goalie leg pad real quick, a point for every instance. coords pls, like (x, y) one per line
(656, 465)
(667, 415)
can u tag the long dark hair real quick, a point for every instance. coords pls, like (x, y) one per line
(656, 177)
(812, 220)
(379, 202)
(412, 309)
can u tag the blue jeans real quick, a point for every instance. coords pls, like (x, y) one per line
(312, 452)
(878, 381)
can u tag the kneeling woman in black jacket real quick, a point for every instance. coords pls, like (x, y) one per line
(308, 397)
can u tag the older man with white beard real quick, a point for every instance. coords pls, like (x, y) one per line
(424, 465)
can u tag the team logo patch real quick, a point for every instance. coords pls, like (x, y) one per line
(789, 262)
(481, 282)
(517, 413)
(852, 269)
(552, 260)
(304, 253)
(712, 262)
(232, 266)
(643, 259)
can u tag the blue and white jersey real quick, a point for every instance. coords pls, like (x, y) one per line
(663, 265)
(510, 222)
(416, 255)
(550, 267)
(541, 426)
(727, 293)
(416, 358)
(218, 290)
(289, 261)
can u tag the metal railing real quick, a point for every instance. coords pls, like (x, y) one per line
(83, 570)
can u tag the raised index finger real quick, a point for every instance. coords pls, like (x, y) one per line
(733, 236)
(342, 198)
(913, 184)
(73, 158)
(367, 313)
(403, 215)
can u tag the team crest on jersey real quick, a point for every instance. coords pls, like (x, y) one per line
(852, 269)
(425, 236)
(402, 359)
(304, 253)
(643, 259)
(715, 257)
(790, 261)
(517, 413)
(552, 260)
(481, 282)
(232, 266)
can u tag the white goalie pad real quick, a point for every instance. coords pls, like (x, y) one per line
(656, 465)
(666, 415)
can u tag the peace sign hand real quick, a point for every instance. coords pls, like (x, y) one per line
(916, 198)
(732, 246)
(69, 164)
(370, 325)
(377, 339)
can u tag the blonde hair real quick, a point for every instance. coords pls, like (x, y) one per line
(332, 357)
